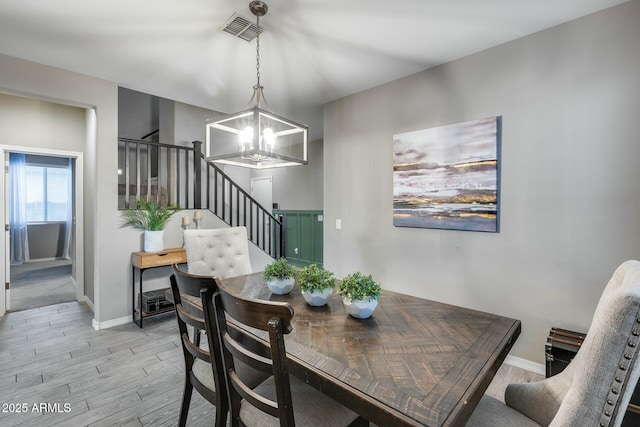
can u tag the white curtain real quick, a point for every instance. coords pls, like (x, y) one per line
(19, 242)
(69, 225)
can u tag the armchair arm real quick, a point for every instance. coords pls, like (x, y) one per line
(540, 400)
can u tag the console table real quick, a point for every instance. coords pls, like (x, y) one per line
(144, 261)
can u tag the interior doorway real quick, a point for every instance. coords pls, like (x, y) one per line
(40, 226)
(262, 191)
(43, 243)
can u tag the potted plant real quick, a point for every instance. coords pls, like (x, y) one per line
(316, 284)
(152, 218)
(280, 276)
(359, 294)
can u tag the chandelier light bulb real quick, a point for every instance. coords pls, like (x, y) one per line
(269, 139)
(245, 137)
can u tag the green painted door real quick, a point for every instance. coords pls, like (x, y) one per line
(303, 236)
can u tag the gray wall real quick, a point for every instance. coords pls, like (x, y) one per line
(107, 247)
(35, 123)
(298, 187)
(137, 113)
(570, 196)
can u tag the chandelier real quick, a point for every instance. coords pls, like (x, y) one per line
(256, 137)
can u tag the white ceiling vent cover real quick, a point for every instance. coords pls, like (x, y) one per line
(241, 27)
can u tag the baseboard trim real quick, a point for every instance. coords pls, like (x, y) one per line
(87, 301)
(525, 364)
(111, 323)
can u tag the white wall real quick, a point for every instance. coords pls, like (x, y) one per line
(570, 195)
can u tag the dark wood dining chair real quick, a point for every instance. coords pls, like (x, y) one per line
(203, 362)
(280, 400)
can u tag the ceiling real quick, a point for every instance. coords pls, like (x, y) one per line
(312, 51)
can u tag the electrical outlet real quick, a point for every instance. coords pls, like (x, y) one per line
(338, 224)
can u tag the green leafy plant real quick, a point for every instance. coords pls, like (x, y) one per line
(279, 269)
(357, 286)
(148, 215)
(314, 278)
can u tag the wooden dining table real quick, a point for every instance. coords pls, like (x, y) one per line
(414, 362)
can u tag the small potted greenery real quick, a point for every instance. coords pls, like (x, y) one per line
(359, 294)
(316, 284)
(152, 218)
(280, 276)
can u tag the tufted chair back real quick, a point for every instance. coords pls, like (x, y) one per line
(595, 389)
(220, 252)
(605, 370)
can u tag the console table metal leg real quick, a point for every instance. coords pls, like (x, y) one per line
(140, 296)
(133, 294)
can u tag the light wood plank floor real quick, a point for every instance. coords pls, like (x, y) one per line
(122, 376)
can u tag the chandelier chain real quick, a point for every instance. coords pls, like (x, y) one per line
(258, 49)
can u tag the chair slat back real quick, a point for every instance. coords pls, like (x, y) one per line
(256, 313)
(275, 319)
(188, 287)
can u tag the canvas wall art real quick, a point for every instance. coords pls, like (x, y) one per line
(448, 177)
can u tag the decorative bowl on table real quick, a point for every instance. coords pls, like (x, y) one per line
(280, 276)
(316, 284)
(360, 308)
(281, 286)
(359, 294)
(316, 297)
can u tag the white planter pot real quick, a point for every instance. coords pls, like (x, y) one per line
(281, 286)
(317, 298)
(360, 308)
(153, 241)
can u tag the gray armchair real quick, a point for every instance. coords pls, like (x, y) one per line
(595, 389)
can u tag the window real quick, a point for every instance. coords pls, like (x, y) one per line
(47, 193)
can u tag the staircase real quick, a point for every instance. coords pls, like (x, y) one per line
(176, 175)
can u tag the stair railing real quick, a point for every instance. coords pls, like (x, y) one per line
(172, 174)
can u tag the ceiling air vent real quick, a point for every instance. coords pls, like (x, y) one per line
(241, 27)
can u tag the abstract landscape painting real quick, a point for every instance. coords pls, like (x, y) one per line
(448, 177)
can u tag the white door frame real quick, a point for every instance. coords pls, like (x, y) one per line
(77, 215)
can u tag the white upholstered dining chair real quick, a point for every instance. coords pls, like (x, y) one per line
(595, 388)
(220, 252)
(216, 252)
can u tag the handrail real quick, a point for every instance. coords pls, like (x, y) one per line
(174, 172)
(153, 132)
(148, 167)
(263, 228)
(158, 144)
(228, 178)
